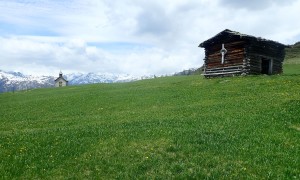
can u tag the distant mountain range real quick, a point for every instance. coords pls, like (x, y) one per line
(16, 81)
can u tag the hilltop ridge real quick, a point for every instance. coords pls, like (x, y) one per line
(293, 54)
(14, 81)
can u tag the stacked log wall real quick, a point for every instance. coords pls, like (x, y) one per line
(256, 51)
(234, 56)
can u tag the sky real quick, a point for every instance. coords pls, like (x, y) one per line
(136, 37)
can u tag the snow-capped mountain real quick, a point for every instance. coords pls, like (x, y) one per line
(15, 81)
(91, 78)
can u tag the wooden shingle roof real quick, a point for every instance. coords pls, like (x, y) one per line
(235, 35)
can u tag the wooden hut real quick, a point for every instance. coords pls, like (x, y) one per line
(232, 53)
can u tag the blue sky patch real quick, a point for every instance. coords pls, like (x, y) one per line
(15, 29)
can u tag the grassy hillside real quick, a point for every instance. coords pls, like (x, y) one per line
(292, 60)
(174, 127)
(293, 54)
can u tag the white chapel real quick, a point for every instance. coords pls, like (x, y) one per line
(61, 81)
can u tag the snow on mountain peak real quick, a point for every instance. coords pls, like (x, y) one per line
(12, 81)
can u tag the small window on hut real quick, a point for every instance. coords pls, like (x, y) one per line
(266, 66)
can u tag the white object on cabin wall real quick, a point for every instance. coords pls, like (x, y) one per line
(223, 51)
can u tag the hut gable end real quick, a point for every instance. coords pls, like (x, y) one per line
(233, 53)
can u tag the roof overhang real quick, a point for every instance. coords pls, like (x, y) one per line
(233, 34)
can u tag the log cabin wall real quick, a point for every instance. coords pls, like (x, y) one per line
(234, 56)
(258, 51)
(234, 60)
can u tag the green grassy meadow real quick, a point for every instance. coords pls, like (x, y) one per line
(183, 127)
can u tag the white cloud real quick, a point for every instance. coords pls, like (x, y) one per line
(76, 56)
(128, 36)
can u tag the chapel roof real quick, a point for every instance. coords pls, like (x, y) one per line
(60, 78)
